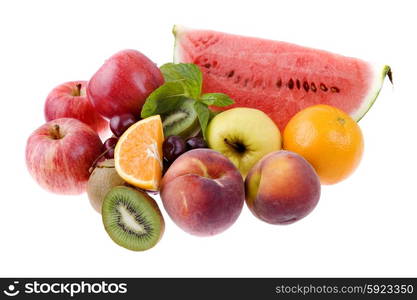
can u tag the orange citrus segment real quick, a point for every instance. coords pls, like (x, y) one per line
(138, 154)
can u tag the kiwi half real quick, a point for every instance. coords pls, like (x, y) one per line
(132, 219)
(101, 180)
(182, 121)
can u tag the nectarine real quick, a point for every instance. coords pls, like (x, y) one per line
(282, 188)
(203, 192)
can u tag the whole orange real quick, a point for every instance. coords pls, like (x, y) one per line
(328, 138)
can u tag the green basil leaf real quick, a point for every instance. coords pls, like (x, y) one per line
(217, 99)
(187, 75)
(203, 113)
(163, 99)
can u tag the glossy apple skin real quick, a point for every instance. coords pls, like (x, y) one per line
(282, 188)
(203, 192)
(123, 83)
(60, 162)
(70, 101)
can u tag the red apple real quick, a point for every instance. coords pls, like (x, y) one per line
(69, 100)
(60, 153)
(123, 83)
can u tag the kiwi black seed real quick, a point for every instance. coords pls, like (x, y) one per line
(182, 121)
(132, 219)
(102, 179)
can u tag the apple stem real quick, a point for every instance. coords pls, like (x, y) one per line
(56, 135)
(77, 92)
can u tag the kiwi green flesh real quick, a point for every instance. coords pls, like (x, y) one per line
(182, 121)
(132, 219)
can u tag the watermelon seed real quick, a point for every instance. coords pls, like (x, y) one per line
(334, 89)
(313, 87)
(195, 43)
(291, 84)
(306, 86)
(207, 66)
(278, 83)
(245, 83)
(257, 83)
(323, 87)
(237, 79)
(231, 73)
(298, 84)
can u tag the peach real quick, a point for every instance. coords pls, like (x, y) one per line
(203, 192)
(282, 188)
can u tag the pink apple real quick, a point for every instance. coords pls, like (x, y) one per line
(69, 100)
(60, 153)
(123, 83)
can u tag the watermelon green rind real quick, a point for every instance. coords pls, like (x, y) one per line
(177, 31)
(379, 74)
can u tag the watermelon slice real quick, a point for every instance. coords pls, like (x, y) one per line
(279, 78)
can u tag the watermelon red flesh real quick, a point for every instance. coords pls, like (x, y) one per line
(279, 78)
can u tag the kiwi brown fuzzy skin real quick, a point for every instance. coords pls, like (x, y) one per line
(109, 211)
(103, 178)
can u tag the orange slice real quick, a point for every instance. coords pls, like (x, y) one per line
(138, 154)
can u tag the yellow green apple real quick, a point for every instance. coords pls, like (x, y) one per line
(244, 135)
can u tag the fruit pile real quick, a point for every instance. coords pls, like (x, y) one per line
(176, 131)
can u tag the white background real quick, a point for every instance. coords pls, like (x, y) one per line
(364, 226)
